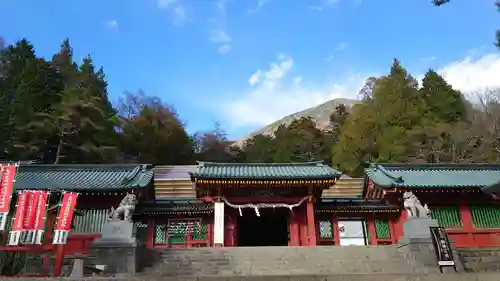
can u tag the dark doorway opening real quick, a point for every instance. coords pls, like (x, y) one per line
(268, 229)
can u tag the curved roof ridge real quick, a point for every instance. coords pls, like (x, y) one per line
(426, 166)
(311, 163)
(86, 166)
(389, 175)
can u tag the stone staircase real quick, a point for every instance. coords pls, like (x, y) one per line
(279, 261)
(480, 259)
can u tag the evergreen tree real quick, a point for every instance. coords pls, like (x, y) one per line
(377, 129)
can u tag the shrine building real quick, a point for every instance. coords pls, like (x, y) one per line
(292, 204)
(308, 204)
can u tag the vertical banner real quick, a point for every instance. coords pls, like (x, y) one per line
(29, 217)
(40, 217)
(219, 223)
(64, 218)
(7, 176)
(18, 224)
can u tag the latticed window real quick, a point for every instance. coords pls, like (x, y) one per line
(200, 234)
(382, 229)
(177, 231)
(91, 221)
(325, 229)
(485, 216)
(448, 217)
(160, 234)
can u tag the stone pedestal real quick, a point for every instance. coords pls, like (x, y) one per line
(116, 250)
(417, 246)
(417, 228)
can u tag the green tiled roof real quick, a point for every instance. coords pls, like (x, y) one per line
(309, 170)
(484, 176)
(83, 177)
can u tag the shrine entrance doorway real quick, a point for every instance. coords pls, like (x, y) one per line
(268, 229)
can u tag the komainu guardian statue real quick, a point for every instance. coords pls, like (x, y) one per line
(414, 207)
(125, 209)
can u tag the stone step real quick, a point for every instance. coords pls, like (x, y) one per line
(262, 261)
(342, 277)
(480, 259)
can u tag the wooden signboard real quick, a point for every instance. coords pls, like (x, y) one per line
(442, 246)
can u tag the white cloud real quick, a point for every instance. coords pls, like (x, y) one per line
(255, 78)
(274, 93)
(224, 49)
(321, 8)
(112, 25)
(429, 59)
(329, 58)
(318, 9)
(221, 6)
(341, 46)
(164, 4)
(180, 15)
(261, 3)
(220, 36)
(473, 74)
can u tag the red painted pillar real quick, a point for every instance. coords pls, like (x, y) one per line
(59, 259)
(311, 224)
(373, 231)
(294, 230)
(336, 233)
(230, 233)
(302, 220)
(151, 233)
(398, 226)
(466, 217)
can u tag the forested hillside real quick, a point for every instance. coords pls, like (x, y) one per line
(57, 110)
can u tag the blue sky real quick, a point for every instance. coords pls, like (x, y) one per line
(245, 63)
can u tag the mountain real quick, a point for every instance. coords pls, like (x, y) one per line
(320, 113)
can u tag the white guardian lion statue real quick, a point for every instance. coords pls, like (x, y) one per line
(414, 207)
(125, 209)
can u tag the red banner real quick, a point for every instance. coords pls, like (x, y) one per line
(22, 200)
(7, 176)
(17, 227)
(40, 216)
(6, 188)
(65, 217)
(29, 213)
(41, 210)
(30, 216)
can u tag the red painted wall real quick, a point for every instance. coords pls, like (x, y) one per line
(464, 238)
